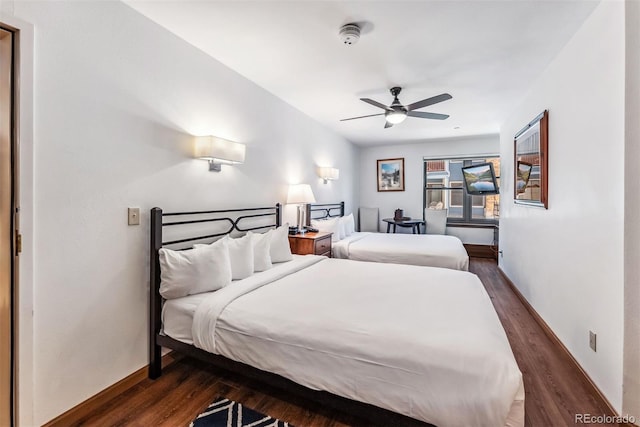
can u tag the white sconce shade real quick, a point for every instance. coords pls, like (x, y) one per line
(300, 193)
(328, 173)
(219, 151)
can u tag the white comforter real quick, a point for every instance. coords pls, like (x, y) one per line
(416, 249)
(424, 342)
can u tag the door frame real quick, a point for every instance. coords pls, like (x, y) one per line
(9, 38)
(24, 133)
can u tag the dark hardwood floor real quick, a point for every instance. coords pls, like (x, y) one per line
(555, 391)
(554, 388)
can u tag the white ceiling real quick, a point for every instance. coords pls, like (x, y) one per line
(484, 53)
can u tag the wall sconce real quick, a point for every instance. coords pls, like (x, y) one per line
(219, 151)
(328, 174)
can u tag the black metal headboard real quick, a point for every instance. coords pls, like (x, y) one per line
(324, 211)
(197, 221)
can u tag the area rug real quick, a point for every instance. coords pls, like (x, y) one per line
(227, 413)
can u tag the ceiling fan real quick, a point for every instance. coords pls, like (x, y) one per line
(396, 112)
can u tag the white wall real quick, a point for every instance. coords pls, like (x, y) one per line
(631, 381)
(410, 200)
(116, 99)
(568, 260)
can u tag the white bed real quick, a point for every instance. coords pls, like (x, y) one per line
(424, 342)
(414, 249)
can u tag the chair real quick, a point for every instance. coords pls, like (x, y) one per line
(369, 219)
(435, 221)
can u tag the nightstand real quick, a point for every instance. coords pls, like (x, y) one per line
(311, 244)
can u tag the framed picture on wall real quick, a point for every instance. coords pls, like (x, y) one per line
(391, 174)
(531, 163)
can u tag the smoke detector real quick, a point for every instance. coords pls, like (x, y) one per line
(350, 34)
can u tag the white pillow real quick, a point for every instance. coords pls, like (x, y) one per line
(194, 271)
(240, 255)
(348, 225)
(330, 226)
(280, 250)
(242, 259)
(261, 247)
(343, 227)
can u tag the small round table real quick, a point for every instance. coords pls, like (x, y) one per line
(413, 223)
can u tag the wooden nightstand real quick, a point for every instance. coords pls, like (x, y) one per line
(311, 243)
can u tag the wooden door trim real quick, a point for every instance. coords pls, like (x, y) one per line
(9, 148)
(24, 53)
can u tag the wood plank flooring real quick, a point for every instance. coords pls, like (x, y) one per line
(554, 388)
(555, 391)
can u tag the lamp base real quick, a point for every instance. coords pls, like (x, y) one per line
(302, 213)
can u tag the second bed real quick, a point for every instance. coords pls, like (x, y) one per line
(414, 249)
(430, 250)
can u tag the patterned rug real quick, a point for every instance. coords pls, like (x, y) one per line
(227, 413)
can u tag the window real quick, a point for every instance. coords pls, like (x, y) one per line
(457, 196)
(444, 189)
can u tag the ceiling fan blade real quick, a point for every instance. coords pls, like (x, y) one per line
(375, 103)
(361, 117)
(387, 125)
(424, 115)
(429, 101)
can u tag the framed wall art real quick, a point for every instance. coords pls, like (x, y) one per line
(531, 163)
(391, 174)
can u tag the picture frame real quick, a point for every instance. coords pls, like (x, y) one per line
(531, 163)
(390, 174)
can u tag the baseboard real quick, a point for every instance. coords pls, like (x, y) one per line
(75, 414)
(554, 338)
(481, 251)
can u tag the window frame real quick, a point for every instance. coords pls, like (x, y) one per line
(467, 199)
(452, 188)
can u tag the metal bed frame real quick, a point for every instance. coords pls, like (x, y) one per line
(326, 210)
(159, 220)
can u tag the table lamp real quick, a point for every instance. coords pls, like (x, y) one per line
(300, 194)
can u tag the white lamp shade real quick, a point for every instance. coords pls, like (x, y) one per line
(219, 150)
(395, 117)
(300, 193)
(328, 173)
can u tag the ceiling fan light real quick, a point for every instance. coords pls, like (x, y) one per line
(395, 117)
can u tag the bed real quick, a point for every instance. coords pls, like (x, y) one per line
(400, 344)
(414, 249)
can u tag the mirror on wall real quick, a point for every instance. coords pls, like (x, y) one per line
(531, 162)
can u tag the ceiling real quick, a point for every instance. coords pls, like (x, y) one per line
(484, 53)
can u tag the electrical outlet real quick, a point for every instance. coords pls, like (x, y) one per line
(592, 340)
(134, 216)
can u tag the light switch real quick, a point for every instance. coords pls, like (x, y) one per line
(592, 340)
(134, 216)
